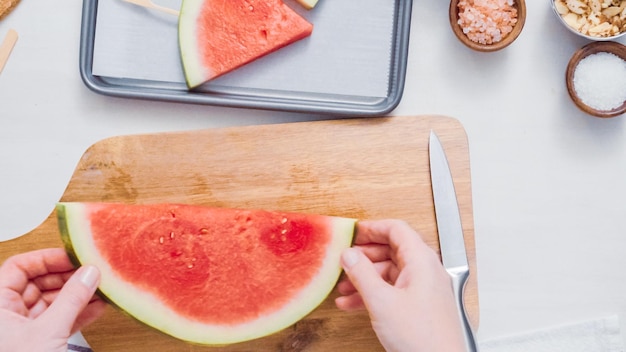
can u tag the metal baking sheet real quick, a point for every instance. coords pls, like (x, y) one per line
(354, 63)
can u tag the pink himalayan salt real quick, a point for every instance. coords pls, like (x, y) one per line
(487, 21)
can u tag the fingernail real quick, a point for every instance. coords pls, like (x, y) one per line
(89, 277)
(349, 258)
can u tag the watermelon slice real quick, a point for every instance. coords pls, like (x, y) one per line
(210, 276)
(218, 36)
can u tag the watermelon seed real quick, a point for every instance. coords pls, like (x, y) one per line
(161, 240)
(190, 266)
(204, 231)
(172, 235)
(283, 221)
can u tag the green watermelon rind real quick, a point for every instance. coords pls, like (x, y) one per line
(308, 4)
(146, 308)
(195, 72)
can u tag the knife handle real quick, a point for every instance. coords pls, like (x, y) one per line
(459, 278)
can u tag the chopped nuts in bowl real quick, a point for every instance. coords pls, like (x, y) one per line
(593, 19)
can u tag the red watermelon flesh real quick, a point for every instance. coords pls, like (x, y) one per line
(218, 36)
(208, 275)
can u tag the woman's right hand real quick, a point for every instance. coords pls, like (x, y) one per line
(403, 285)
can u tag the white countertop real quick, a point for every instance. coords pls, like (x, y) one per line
(549, 181)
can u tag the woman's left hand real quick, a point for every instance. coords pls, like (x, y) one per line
(44, 300)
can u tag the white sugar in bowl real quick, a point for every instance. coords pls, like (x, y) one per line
(596, 78)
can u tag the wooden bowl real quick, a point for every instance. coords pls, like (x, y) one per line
(506, 41)
(589, 49)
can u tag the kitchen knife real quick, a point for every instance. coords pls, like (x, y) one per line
(450, 231)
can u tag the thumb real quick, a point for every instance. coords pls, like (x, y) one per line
(72, 299)
(362, 274)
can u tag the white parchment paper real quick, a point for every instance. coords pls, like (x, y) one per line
(348, 53)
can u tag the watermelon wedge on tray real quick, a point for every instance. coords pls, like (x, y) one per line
(218, 36)
(211, 276)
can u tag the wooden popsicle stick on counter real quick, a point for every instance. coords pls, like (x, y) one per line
(151, 5)
(7, 46)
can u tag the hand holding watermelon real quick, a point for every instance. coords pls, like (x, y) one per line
(392, 273)
(403, 285)
(43, 301)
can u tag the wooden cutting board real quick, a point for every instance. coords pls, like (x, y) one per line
(367, 168)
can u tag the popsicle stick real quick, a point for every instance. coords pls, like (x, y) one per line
(7, 46)
(149, 4)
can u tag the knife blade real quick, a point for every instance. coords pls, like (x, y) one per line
(450, 231)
